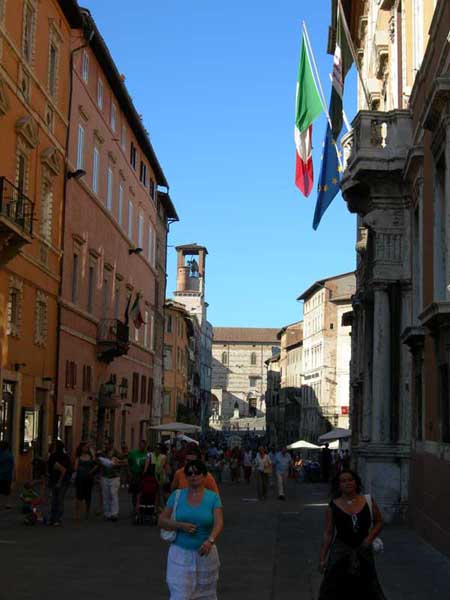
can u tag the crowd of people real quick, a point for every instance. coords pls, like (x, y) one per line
(180, 483)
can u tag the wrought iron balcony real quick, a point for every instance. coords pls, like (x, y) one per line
(16, 219)
(112, 339)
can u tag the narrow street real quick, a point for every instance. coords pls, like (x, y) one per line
(268, 551)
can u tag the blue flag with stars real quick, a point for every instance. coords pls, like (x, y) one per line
(329, 178)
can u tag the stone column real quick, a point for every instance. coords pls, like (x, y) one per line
(381, 379)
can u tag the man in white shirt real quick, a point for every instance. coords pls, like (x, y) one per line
(247, 464)
(282, 464)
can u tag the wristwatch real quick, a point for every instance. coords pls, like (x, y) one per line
(211, 540)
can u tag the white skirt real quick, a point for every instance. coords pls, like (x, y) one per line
(191, 576)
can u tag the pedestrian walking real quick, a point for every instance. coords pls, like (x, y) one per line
(263, 472)
(180, 480)
(193, 561)
(111, 463)
(6, 474)
(325, 463)
(283, 463)
(247, 462)
(59, 475)
(346, 554)
(137, 460)
(85, 467)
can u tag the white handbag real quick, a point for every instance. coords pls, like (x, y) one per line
(377, 544)
(169, 535)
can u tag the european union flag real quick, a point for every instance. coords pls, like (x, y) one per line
(329, 177)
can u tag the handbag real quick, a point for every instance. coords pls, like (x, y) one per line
(168, 535)
(377, 544)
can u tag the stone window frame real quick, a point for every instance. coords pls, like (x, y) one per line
(22, 150)
(41, 319)
(33, 5)
(54, 40)
(100, 93)
(14, 329)
(85, 67)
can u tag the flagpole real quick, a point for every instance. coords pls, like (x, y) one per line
(352, 50)
(322, 95)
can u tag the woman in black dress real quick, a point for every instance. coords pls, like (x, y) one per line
(85, 467)
(346, 555)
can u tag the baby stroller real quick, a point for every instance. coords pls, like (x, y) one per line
(146, 501)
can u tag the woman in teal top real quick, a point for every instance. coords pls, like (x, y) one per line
(193, 560)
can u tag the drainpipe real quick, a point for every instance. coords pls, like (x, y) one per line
(63, 231)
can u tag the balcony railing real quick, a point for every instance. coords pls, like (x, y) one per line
(16, 207)
(112, 339)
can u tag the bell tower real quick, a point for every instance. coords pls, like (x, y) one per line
(191, 262)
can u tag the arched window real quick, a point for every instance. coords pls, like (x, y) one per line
(253, 358)
(224, 358)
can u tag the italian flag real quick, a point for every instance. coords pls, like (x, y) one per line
(136, 314)
(308, 107)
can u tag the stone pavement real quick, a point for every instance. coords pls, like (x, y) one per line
(268, 551)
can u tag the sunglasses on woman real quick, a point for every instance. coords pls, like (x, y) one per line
(191, 472)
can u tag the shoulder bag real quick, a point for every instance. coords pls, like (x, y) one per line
(169, 535)
(377, 544)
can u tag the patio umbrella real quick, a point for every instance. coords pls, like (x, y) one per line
(335, 434)
(302, 444)
(177, 427)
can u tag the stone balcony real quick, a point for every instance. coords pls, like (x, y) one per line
(112, 339)
(374, 151)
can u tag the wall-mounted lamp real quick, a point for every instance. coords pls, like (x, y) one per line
(134, 250)
(18, 366)
(76, 174)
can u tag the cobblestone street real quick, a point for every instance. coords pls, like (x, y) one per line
(268, 551)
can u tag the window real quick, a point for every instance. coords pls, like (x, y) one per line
(85, 67)
(80, 149)
(143, 173)
(133, 155)
(120, 207)
(75, 276)
(151, 245)
(167, 357)
(117, 299)
(46, 209)
(135, 388)
(143, 389)
(109, 189)
(150, 391)
(95, 168)
(224, 358)
(123, 137)
(169, 324)
(40, 334)
(253, 382)
(152, 189)
(71, 374)
(253, 358)
(136, 334)
(28, 31)
(87, 379)
(91, 287)
(113, 116)
(140, 231)
(106, 294)
(100, 94)
(14, 307)
(166, 403)
(53, 66)
(130, 219)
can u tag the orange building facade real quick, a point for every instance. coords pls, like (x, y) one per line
(177, 333)
(35, 40)
(115, 235)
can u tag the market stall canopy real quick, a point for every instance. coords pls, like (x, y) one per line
(302, 444)
(335, 434)
(177, 427)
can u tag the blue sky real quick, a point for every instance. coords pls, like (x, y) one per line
(215, 82)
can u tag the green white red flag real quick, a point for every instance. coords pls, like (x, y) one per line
(136, 313)
(308, 108)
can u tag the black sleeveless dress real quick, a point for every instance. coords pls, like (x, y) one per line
(350, 572)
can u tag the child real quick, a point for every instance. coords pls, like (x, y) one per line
(30, 501)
